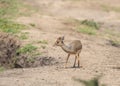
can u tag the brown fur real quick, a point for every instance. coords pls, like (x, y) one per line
(73, 48)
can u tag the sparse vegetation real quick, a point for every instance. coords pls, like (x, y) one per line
(71, 22)
(86, 30)
(29, 48)
(43, 47)
(112, 36)
(8, 8)
(13, 8)
(31, 24)
(85, 26)
(115, 43)
(91, 23)
(43, 42)
(10, 26)
(88, 27)
(23, 35)
(110, 8)
(111, 33)
(92, 82)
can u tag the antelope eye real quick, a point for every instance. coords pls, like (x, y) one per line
(57, 42)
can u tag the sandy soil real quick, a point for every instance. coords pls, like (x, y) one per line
(97, 56)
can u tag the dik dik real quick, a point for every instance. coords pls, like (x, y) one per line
(74, 47)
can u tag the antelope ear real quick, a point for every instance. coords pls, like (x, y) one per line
(62, 37)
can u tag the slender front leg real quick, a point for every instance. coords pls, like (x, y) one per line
(75, 61)
(67, 60)
(78, 60)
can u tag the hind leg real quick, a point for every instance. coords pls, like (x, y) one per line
(78, 58)
(75, 61)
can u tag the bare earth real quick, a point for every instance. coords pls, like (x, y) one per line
(97, 56)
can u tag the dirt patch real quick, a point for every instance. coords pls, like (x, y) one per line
(97, 56)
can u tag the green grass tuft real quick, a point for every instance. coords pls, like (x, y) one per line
(91, 23)
(31, 24)
(23, 36)
(29, 48)
(86, 30)
(89, 27)
(115, 43)
(43, 42)
(92, 82)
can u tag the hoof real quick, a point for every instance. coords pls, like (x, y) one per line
(80, 66)
(74, 66)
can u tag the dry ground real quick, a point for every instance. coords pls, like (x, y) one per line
(98, 57)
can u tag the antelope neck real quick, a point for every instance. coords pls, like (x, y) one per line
(67, 48)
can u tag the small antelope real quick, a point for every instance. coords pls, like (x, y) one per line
(73, 48)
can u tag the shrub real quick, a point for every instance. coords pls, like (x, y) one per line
(91, 23)
(86, 29)
(8, 48)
